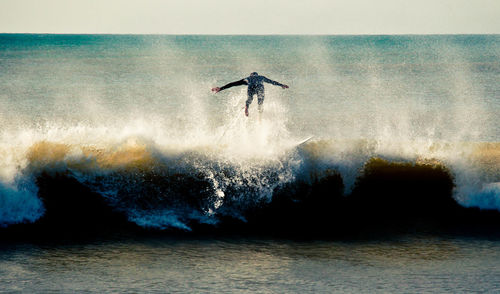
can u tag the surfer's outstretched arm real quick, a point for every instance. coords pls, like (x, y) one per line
(237, 83)
(274, 83)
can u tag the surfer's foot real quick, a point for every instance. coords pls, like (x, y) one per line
(246, 110)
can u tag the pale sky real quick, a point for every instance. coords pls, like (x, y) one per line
(251, 16)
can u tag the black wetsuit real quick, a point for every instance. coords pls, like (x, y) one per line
(255, 86)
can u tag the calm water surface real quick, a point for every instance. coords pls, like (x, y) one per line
(406, 264)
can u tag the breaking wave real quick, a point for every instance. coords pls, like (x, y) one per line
(171, 187)
(124, 132)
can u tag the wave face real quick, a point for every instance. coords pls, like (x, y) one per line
(125, 129)
(177, 188)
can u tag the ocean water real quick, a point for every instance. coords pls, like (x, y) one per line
(164, 265)
(122, 133)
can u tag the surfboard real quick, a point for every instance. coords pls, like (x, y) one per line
(303, 141)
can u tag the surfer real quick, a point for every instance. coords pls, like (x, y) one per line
(255, 87)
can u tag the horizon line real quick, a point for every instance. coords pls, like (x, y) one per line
(266, 34)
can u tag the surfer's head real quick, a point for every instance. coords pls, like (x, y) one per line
(254, 74)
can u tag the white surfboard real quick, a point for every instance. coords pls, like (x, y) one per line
(303, 141)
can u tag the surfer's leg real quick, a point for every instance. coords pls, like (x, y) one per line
(249, 101)
(250, 98)
(260, 97)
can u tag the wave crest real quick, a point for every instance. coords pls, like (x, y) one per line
(160, 188)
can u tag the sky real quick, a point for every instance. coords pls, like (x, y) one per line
(251, 16)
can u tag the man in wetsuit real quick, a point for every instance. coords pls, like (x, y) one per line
(255, 86)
